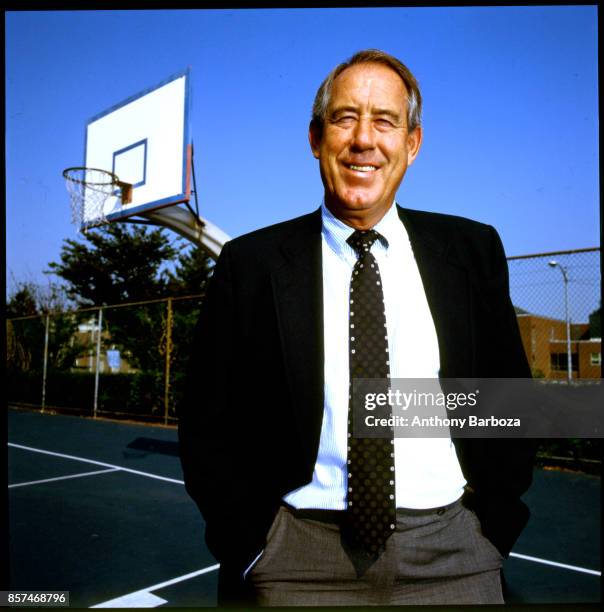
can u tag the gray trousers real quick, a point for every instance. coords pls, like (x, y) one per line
(435, 556)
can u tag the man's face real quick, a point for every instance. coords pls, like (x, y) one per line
(365, 146)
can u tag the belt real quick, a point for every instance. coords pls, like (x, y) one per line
(426, 511)
(337, 516)
(315, 514)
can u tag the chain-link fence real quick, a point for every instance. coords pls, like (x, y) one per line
(124, 361)
(557, 299)
(129, 360)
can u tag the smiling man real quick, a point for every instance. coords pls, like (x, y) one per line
(298, 510)
(364, 142)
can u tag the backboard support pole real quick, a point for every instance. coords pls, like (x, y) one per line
(187, 224)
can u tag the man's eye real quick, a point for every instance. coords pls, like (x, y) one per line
(385, 123)
(344, 119)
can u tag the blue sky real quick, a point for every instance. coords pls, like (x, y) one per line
(510, 115)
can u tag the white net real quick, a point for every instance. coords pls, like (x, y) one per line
(88, 190)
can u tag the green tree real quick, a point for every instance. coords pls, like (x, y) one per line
(23, 301)
(118, 264)
(121, 263)
(190, 277)
(595, 323)
(26, 335)
(192, 271)
(23, 337)
(114, 264)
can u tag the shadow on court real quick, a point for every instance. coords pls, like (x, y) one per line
(98, 508)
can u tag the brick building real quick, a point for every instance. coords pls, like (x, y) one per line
(545, 343)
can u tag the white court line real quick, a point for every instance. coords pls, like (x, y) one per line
(143, 598)
(108, 465)
(34, 482)
(118, 467)
(574, 568)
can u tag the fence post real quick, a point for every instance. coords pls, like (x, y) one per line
(45, 364)
(98, 361)
(168, 357)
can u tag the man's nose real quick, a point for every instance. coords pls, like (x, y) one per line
(363, 136)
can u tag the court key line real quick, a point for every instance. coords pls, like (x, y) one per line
(148, 475)
(143, 598)
(101, 463)
(34, 482)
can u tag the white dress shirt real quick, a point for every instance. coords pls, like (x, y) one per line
(427, 470)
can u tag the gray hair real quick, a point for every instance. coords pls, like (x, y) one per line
(414, 98)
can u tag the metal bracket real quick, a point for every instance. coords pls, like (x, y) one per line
(188, 225)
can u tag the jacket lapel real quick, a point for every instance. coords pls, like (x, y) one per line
(447, 291)
(298, 295)
(297, 282)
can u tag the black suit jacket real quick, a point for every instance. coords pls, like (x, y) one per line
(251, 418)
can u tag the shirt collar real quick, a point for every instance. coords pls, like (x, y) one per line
(336, 232)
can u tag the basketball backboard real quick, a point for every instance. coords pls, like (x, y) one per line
(138, 166)
(145, 141)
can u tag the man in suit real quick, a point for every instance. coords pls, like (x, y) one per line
(290, 498)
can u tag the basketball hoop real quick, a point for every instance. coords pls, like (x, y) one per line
(89, 189)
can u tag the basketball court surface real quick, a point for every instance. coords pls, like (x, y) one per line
(98, 508)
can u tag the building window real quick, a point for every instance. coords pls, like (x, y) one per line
(559, 362)
(595, 359)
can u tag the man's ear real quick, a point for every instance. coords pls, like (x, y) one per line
(314, 137)
(414, 142)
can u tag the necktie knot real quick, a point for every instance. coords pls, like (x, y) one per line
(362, 240)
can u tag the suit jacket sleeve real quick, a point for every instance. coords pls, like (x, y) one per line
(213, 444)
(499, 471)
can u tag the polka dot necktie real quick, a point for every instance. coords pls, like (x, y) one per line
(371, 505)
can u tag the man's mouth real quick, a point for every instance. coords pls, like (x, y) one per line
(362, 168)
